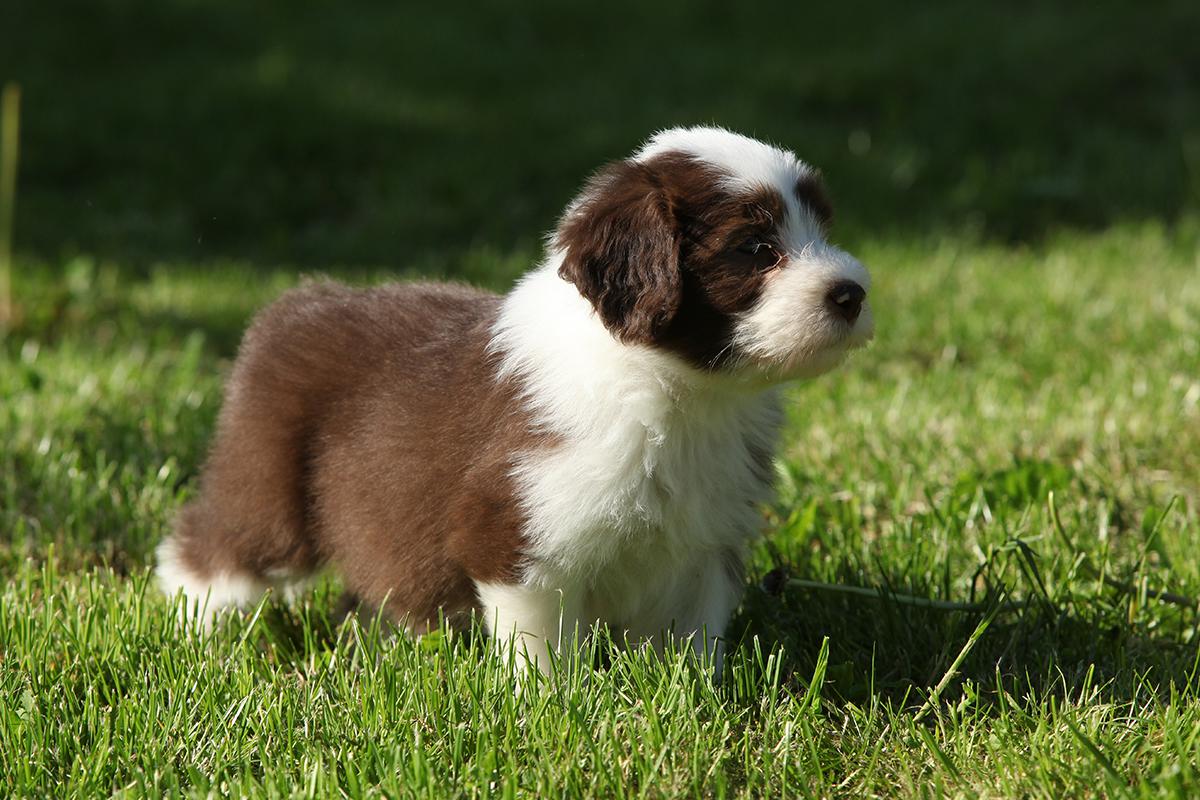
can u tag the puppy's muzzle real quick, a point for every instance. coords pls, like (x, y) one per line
(845, 299)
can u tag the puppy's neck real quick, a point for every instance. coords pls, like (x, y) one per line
(546, 325)
(550, 339)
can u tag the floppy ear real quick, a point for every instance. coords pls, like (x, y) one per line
(621, 250)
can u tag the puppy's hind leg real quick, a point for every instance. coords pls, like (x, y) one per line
(248, 529)
(206, 590)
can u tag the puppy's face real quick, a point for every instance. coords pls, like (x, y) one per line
(713, 246)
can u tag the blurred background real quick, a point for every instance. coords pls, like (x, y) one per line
(410, 136)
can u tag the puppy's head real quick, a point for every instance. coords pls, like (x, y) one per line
(713, 246)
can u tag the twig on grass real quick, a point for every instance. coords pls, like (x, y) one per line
(904, 599)
(936, 695)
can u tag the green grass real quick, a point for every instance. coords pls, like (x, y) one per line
(1001, 376)
(1020, 445)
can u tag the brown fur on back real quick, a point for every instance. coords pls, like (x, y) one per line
(366, 428)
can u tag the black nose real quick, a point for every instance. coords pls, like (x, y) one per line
(845, 298)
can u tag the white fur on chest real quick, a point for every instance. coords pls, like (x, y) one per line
(655, 471)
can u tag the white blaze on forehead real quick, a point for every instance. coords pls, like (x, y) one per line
(748, 163)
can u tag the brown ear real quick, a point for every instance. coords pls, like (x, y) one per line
(621, 250)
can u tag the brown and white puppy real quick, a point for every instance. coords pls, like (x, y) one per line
(589, 447)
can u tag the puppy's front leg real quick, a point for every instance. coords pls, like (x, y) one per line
(703, 603)
(532, 620)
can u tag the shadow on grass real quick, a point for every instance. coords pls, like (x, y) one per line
(303, 133)
(878, 650)
(898, 652)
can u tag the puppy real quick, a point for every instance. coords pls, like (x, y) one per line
(589, 447)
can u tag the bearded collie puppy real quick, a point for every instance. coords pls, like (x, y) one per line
(589, 447)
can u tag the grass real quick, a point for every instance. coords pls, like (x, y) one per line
(926, 469)
(1009, 477)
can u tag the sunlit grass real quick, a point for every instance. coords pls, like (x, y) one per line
(1008, 388)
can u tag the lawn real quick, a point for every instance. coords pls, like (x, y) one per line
(980, 572)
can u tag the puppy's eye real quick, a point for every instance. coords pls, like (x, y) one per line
(753, 246)
(761, 254)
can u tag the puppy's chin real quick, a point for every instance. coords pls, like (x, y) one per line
(810, 358)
